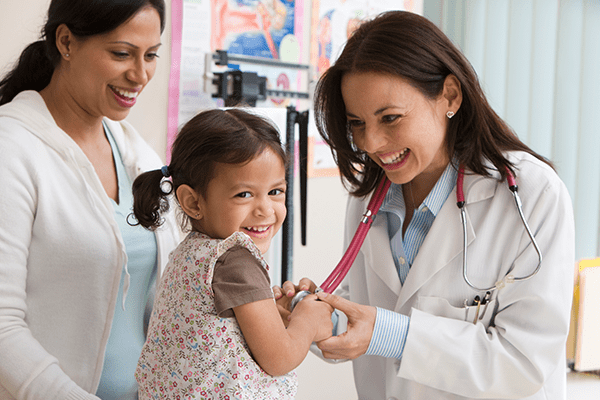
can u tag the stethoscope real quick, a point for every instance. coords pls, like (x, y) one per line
(508, 278)
(340, 271)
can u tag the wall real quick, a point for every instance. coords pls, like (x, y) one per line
(20, 22)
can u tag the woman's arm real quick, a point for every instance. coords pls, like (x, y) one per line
(276, 349)
(27, 370)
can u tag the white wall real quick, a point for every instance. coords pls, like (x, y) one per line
(20, 23)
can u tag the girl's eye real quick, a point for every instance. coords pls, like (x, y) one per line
(243, 195)
(276, 192)
(152, 56)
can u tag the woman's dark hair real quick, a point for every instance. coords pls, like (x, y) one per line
(407, 45)
(84, 18)
(231, 136)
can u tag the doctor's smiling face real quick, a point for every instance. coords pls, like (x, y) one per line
(397, 126)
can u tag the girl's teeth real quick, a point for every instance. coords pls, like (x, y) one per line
(258, 229)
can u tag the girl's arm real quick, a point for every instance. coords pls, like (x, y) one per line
(276, 349)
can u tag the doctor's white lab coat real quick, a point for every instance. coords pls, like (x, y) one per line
(517, 350)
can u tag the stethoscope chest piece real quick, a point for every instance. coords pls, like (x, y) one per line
(298, 298)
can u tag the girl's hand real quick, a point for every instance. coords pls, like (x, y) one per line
(317, 314)
(355, 341)
(284, 295)
(278, 349)
(290, 290)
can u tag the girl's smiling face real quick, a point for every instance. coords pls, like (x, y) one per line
(248, 197)
(399, 128)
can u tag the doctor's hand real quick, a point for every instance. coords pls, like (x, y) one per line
(284, 295)
(355, 341)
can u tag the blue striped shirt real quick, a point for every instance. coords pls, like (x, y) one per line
(391, 329)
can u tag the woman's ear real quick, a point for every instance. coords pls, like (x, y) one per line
(190, 201)
(452, 93)
(64, 39)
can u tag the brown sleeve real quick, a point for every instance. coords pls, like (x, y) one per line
(239, 279)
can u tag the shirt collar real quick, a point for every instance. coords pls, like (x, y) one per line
(442, 189)
(394, 201)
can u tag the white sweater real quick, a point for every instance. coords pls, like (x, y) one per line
(61, 253)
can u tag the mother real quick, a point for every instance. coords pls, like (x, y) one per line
(75, 278)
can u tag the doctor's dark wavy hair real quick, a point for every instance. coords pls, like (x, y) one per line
(231, 136)
(407, 45)
(84, 18)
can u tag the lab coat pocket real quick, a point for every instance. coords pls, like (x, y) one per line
(440, 307)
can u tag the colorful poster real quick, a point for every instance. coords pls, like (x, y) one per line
(333, 21)
(270, 29)
(254, 28)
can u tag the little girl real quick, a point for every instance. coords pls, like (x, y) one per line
(215, 330)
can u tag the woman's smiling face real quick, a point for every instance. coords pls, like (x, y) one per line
(399, 128)
(106, 73)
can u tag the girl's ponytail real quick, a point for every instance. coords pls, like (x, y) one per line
(32, 71)
(150, 201)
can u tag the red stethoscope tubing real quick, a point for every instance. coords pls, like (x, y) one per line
(340, 271)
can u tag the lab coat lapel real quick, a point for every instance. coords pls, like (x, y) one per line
(376, 249)
(444, 242)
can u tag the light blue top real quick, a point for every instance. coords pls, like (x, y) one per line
(127, 334)
(391, 329)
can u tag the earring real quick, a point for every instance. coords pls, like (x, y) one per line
(197, 215)
(67, 55)
(450, 114)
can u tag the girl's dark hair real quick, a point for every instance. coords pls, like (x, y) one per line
(84, 18)
(407, 45)
(231, 136)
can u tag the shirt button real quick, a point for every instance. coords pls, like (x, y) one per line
(402, 260)
(424, 209)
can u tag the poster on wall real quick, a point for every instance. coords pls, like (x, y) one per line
(266, 29)
(332, 23)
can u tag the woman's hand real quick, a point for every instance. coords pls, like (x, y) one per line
(284, 295)
(355, 341)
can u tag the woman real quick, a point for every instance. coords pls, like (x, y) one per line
(75, 278)
(403, 103)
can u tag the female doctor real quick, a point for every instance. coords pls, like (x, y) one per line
(403, 103)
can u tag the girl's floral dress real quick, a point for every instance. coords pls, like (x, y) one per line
(190, 352)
